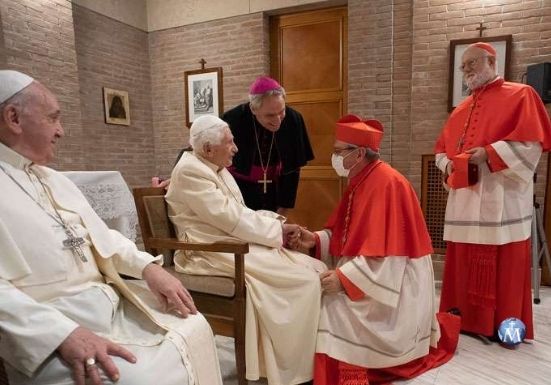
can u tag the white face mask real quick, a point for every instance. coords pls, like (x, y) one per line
(337, 161)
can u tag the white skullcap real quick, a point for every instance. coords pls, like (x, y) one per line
(206, 129)
(206, 122)
(11, 82)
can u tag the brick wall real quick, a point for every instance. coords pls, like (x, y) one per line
(379, 73)
(2, 47)
(398, 53)
(436, 22)
(114, 55)
(39, 40)
(238, 44)
(370, 63)
(398, 64)
(75, 52)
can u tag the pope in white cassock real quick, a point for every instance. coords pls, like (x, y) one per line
(283, 286)
(66, 316)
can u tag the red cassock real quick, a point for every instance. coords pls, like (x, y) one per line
(499, 111)
(391, 221)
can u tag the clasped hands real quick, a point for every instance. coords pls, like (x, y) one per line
(478, 156)
(296, 237)
(84, 351)
(300, 238)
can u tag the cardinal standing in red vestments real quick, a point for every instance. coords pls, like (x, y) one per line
(378, 320)
(501, 130)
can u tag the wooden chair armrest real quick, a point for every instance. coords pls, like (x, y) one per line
(221, 247)
(239, 249)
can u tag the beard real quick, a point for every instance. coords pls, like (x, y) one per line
(480, 78)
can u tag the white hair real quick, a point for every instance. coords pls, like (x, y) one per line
(256, 100)
(22, 100)
(206, 129)
(371, 154)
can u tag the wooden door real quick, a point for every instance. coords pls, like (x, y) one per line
(309, 58)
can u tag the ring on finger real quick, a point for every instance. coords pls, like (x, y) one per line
(90, 362)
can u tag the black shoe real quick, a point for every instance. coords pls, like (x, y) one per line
(484, 339)
(454, 311)
(495, 338)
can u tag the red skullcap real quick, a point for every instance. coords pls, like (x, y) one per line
(364, 133)
(485, 46)
(262, 85)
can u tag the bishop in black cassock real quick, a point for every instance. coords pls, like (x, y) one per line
(267, 165)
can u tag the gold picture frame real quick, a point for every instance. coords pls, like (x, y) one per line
(116, 106)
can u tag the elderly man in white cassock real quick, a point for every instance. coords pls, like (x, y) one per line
(66, 316)
(283, 286)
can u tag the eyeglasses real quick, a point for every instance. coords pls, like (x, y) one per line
(470, 63)
(339, 151)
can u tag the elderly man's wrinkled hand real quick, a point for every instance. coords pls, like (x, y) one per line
(86, 353)
(291, 233)
(330, 282)
(159, 182)
(290, 230)
(301, 240)
(306, 238)
(170, 292)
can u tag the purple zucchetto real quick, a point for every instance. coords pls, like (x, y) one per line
(262, 85)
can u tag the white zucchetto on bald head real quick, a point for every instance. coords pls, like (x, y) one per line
(12, 82)
(206, 129)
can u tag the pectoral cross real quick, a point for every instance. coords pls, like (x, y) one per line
(74, 244)
(265, 181)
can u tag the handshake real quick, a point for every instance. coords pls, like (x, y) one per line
(296, 237)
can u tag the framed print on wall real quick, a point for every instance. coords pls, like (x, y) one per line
(457, 89)
(203, 93)
(116, 106)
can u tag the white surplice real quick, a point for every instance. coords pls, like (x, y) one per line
(283, 286)
(393, 324)
(498, 209)
(47, 291)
